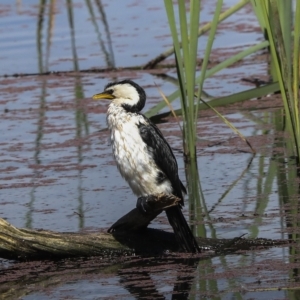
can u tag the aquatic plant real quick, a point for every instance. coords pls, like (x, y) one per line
(280, 39)
(284, 49)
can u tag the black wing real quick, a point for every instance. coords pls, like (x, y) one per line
(162, 155)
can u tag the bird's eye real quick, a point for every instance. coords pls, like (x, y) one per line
(110, 91)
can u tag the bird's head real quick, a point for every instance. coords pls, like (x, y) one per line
(124, 93)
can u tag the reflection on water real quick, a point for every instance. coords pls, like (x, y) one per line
(57, 171)
(167, 277)
(107, 33)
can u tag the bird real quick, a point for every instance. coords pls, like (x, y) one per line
(143, 156)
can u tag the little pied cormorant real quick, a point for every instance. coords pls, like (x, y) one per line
(143, 156)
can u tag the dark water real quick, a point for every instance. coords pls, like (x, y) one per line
(57, 171)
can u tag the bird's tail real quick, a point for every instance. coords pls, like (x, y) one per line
(182, 231)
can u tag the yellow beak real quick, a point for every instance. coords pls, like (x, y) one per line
(103, 95)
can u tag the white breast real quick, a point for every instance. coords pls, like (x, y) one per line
(133, 159)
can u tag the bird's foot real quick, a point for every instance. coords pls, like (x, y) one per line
(143, 206)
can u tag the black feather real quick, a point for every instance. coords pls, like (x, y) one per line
(160, 177)
(166, 162)
(182, 231)
(162, 155)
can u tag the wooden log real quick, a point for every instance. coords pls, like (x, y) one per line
(23, 244)
(129, 236)
(126, 237)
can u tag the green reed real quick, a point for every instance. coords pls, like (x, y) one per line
(277, 20)
(185, 41)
